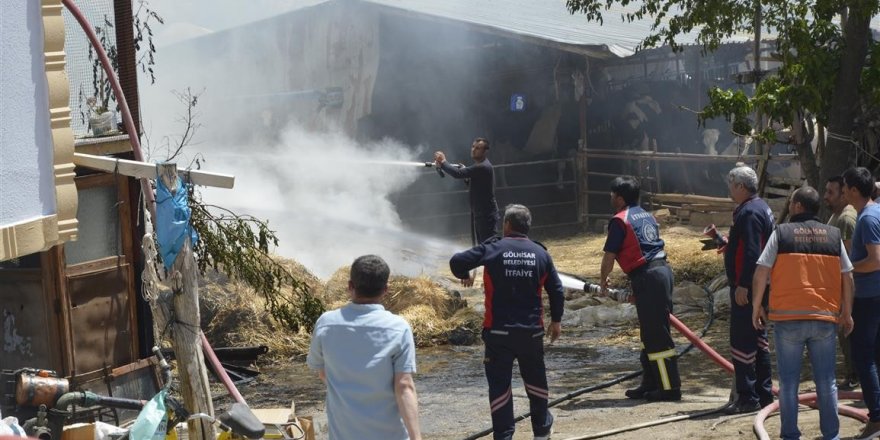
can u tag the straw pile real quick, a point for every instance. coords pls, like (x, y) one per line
(432, 313)
(581, 255)
(233, 315)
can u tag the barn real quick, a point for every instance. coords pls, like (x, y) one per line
(540, 83)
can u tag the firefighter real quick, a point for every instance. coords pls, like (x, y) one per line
(480, 177)
(749, 347)
(515, 270)
(634, 242)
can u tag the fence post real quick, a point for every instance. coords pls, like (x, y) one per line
(582, 180)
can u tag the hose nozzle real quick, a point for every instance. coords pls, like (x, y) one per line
(619, 295)
(434, 165)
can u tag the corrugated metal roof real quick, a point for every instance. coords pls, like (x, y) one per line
(541, 19)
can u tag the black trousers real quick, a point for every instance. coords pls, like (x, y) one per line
(485, 226)
(652, 288)
(527, 347)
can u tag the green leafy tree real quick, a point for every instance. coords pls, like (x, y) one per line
(830, 65)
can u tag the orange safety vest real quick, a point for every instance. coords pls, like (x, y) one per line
(806, 277)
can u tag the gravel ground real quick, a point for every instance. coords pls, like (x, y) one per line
(453, 394)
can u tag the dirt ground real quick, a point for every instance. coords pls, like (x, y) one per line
(453, 400)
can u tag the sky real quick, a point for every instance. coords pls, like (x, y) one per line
(191, 18)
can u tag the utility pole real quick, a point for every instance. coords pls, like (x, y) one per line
(186, 328)
(763, 150)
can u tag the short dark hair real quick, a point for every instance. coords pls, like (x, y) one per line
(626, 187)
(483, 140)
(369, 276)
(861, 179)
(519, 217)
(836, 179)
(808, 197)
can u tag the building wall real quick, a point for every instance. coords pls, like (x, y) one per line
(37, 194)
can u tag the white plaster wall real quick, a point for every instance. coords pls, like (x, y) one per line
(27, 185)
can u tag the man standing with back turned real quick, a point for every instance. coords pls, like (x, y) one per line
(749, 347)
(516, 269)
(634, 242)
(812, 294)
(366, 357)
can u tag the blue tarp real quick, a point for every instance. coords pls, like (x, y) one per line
(172, 221)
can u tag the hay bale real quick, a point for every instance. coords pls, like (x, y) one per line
(428, 327)
(302, 274)
(466, 325)
(239, 319)
(430, 310)
(405, 292)
(335, 291)
(234, 315)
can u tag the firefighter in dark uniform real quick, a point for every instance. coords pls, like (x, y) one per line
(749, 347)
(515, 270)
(634, 242)
(480, 178)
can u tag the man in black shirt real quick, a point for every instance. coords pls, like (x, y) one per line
(481, 188)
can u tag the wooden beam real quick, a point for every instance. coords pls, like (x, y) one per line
(690, 157)
(186, 332)
(143, 170)
(692, 198)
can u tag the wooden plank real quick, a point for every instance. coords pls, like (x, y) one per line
(93, 266)
(692, 198)
(777, 191)
(137, 365)
(145, 170)
(692, 157)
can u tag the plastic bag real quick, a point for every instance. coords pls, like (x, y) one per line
(152, 421)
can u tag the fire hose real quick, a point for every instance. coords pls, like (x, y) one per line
(760, 431)
(695, 341)
(632, 375)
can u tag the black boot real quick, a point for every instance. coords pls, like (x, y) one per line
(663, 396)
(640, 392)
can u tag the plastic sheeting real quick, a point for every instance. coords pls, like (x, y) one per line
(172, 221)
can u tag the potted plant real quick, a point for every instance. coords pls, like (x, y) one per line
(100, 117)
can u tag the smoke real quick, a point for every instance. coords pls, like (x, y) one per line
(327, 197)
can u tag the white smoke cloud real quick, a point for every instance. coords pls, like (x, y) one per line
(327, 196)
(328, 199)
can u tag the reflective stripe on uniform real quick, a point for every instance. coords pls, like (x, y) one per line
(660, 358)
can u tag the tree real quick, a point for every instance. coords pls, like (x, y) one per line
(830, 65)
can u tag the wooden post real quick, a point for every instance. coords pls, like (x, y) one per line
(582, 177)
(186, 329)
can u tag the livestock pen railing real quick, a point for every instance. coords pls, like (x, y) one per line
(567, 193)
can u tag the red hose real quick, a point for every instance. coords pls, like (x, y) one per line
(120, 98)
(860, 415)
(808, 398)
(221, 372)
(705, 348)
(138, 155)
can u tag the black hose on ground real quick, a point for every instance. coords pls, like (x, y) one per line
(711, 308)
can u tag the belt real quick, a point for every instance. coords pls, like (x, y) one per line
(653, 263)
